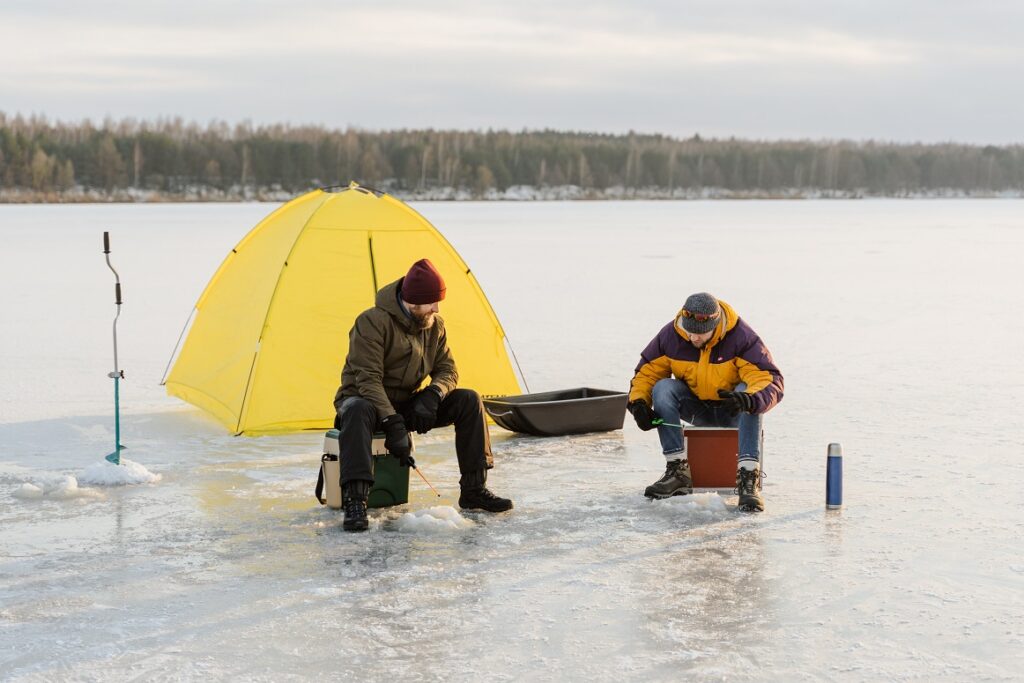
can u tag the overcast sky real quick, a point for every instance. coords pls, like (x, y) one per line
(924, 70)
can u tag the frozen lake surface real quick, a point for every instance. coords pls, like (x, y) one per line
(898, 328)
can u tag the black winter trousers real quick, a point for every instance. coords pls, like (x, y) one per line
(357, 421)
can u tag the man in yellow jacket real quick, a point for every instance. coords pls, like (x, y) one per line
(706, 368)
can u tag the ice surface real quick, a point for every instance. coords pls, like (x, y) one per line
(896, 324)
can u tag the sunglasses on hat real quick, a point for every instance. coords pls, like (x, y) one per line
(700, 317)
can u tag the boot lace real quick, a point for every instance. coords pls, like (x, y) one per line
(673, 468)
(748, 481)
(353, 508)
(486, 494)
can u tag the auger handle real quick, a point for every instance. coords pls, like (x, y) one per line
(117, 278)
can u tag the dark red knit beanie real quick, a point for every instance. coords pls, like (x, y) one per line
(423, 284)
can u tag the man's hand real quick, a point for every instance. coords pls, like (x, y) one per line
(643, 414)
(396, 439)
(424, 410)
(736, 401)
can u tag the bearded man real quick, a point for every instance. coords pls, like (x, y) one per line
(393, 348)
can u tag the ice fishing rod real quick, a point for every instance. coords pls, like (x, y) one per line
(117, 375)
(425, 481)
(658, 422)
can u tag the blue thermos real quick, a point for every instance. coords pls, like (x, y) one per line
(834, 477)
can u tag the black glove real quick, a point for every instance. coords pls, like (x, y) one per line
(643, 414)
(424, 410)
(736, 401)
(396, 439)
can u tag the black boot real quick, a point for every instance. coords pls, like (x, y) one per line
(353, 499)
(748, 486)
(676, 481)
(476, 496)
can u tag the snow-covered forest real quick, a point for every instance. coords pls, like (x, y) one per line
(171, 159)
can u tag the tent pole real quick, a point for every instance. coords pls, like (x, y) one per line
(373, 265)
(174, 353)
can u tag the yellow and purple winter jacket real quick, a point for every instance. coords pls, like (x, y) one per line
(734, 354)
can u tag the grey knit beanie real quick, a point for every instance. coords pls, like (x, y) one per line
(700, 313)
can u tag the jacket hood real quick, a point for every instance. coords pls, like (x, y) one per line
(387, 300)
(728, 321)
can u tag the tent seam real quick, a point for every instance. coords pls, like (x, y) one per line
(270, 307)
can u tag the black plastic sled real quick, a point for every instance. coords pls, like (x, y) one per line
(556, 413)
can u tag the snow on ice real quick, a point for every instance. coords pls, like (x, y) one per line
(104, 473)
(441, 518)
(56, 488)
(704, 506)
(52, 486)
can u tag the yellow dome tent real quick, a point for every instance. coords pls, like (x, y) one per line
(269, 335)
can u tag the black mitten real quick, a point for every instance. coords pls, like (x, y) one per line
(424, 410)
(396, 439)
(737, 401)
(643, 414)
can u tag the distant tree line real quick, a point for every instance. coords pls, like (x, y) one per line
(173, 156)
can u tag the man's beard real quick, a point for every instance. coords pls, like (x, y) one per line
(423, 322)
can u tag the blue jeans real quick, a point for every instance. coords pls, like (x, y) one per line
(674, 402)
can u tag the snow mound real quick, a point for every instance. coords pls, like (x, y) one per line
(62, 488)
(436, 519)
(28, 492)
(104, 473)
(698, 506)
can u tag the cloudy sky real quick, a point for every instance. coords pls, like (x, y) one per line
(926, 70)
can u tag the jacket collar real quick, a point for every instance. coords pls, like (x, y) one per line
(387, 300)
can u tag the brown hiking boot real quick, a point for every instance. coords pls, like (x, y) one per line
(748, 486)
(676, 481)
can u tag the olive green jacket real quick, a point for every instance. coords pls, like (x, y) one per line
(388, 358)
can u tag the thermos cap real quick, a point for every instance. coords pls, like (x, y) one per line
(835, 450)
